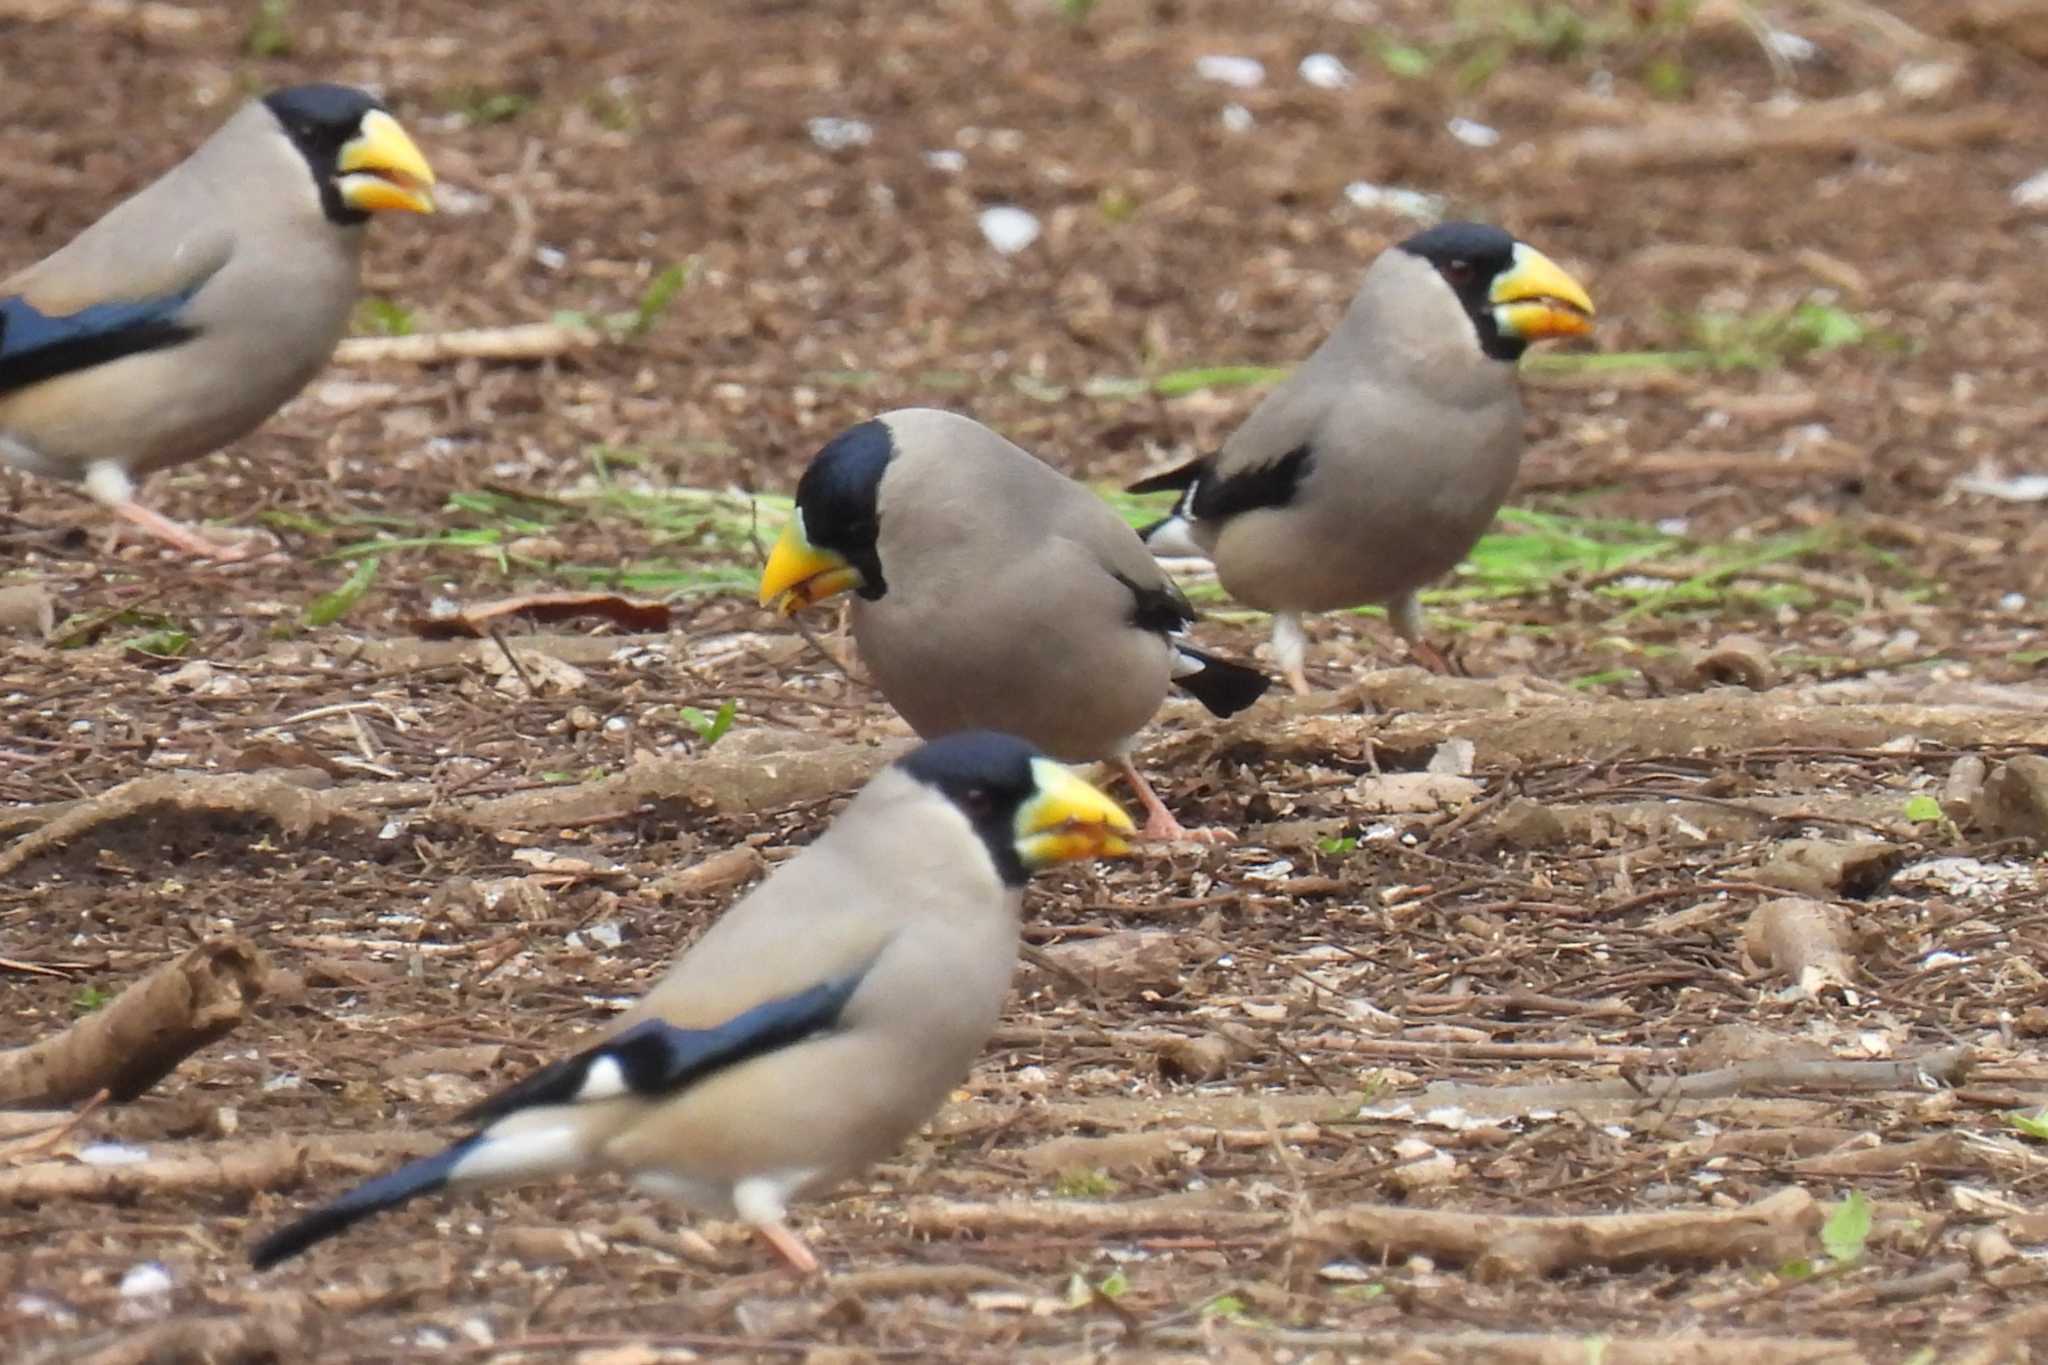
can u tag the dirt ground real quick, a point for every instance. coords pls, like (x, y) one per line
(1259, 1102)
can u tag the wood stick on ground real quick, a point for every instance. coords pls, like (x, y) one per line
(131, 1044)
(226, 1167)
(1517, 1348)
(526, 341)
(1501, 1246)
(1945, 1066)
(242, 1337)
(1066, 1217)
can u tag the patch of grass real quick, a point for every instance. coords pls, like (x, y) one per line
(1080, 1293)
(1179, 383)
(1095, 1184)
(1736, 341)
(657, 297)
(1400, 58)
(2034, 1126)
(648, 310)
(1226, 1306)
(284, 519)
(844, 379)
(614, 109)
(1606, 677)
(382, 317)
(1116, 204)
(1847, 1229)
(710, 729)
(270, 30)
(1486, 36)
(330, 607)
(479, 105)
(89, 998)
(1537, 553)
(167, 642)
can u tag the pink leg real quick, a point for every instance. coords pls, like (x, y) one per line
(1159, 822)
(778, 1235)
(186, 539)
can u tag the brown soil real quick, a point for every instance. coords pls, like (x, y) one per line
(1574, 914)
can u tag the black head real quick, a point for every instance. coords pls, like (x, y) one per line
(837, 497)
(320, 120)
(989, 776)
(1469, 256)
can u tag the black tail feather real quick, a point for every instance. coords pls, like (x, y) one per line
(374, 1196)
(1178, 477)
(1224, 687)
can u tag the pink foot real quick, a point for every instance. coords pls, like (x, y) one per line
(778, 1235)
(1160, 825)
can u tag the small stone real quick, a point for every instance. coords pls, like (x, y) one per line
(1990, 1247)
(145, 1279)
(1244, 73)
(1008, 228)
(1738, 660)
(1401, 202)
(1324, 71)
(1473, 134)
(2031, 193)
(2015, 799)
(1422, 1165)
(1529, 824)
(838, 134)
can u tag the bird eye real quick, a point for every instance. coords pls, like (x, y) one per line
(1459, 272)
(977, 802)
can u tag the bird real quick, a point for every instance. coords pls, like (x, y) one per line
(814, 1026)
(990, 590)
(197, 307)
(1374, 468)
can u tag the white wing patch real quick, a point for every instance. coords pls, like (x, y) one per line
(606, 1080)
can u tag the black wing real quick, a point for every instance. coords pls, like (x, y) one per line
(35, 345)
(1272, 484)
(1159, 608)
(656, 1058)
(1180, 477)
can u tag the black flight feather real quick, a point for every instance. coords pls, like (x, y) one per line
(1222, 686)
(1178, 477)
(656, 1058)
(1159, 608)
(35, 346)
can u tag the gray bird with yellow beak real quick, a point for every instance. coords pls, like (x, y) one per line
(199, 306)
(992, 591)
(815, 1026)
(1374, 469)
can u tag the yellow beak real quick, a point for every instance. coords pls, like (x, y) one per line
(1534, 298)
(799, 573)
(382, 169)
(1068, 820)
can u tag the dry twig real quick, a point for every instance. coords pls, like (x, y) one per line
(137, 1040)
(524, 341)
